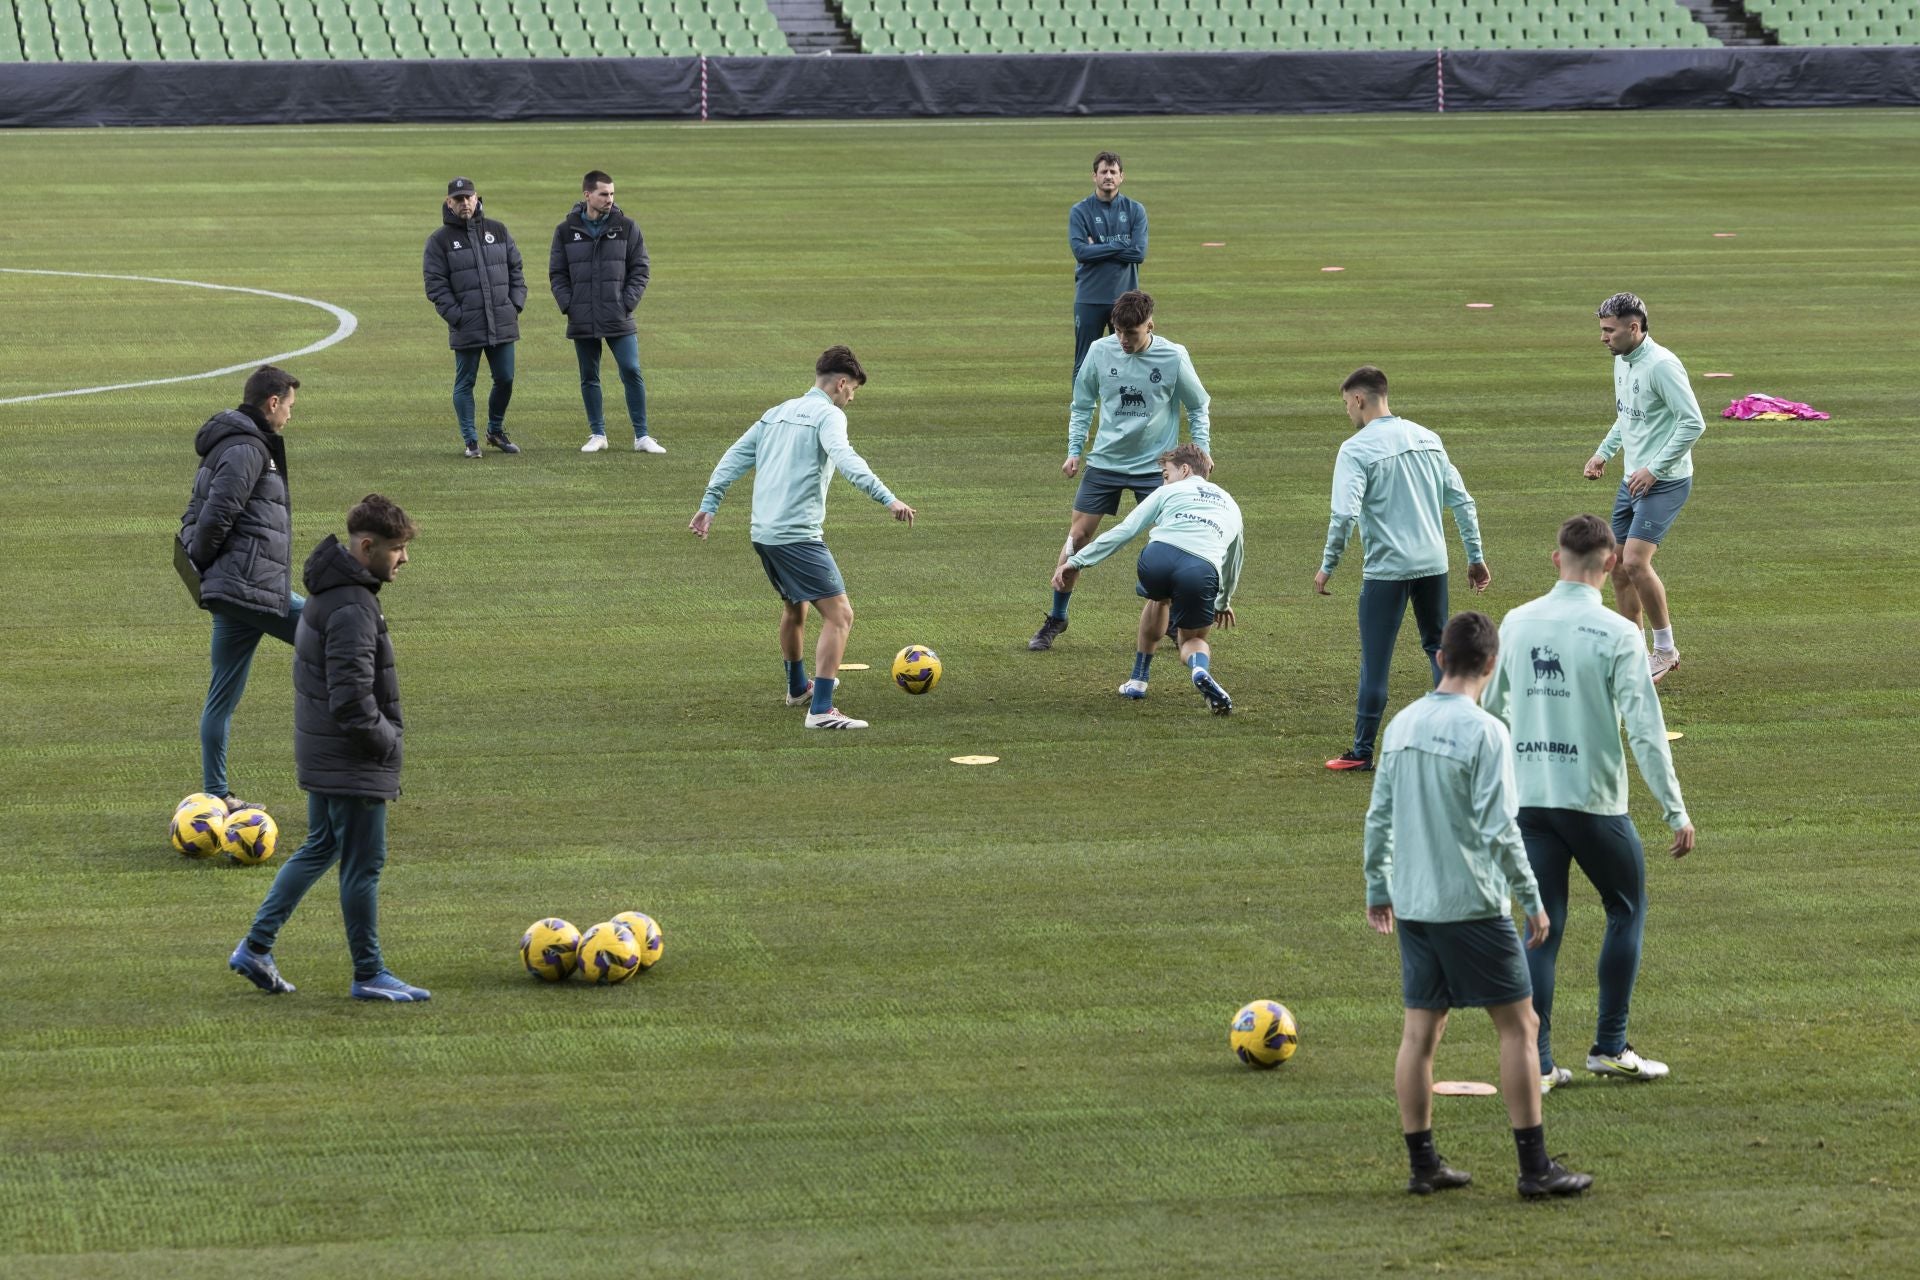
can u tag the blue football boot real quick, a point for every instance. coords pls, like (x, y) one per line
(384, 986)
(257, 968)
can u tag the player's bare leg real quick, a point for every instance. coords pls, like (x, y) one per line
(792, 635)
(836, 623)
(1650, 597)
(1079, 533)
(1626, 600)
(1413, 1086)
(1198, 655)
(1519, 1028)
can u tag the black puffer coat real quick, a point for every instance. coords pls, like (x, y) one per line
(238, 525)
(598, 281)
(474, 280)
(346, 693)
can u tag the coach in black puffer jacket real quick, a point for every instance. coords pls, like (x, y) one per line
(473, 273)
(238, 525)
(346, 693)
(598, 269)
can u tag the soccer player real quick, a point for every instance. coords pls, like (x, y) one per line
(790, 450)
(347, 734)
(1570, 669)
(1187, 571)
(235, 551)
(1657, 420)
(1140, 381)
(1443, 858)
(1107, 233)
(475, 280)
(1392, 478)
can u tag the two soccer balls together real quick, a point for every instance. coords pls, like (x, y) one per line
(203, 828)
(611, 951)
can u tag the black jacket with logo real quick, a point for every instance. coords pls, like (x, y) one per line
(474, 279)
(238, 525)
(346, 692)
(598, 281)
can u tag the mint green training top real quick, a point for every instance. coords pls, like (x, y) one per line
(1569, 669)
(1392, 478)
(1140, 397)
(1658, 418)
(789, 450)
(1443, 832)
(1195, 515)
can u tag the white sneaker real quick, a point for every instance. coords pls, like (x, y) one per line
(833, 719)
(1626, 1064)
(1135, 689)
(647, 444)
(594, 444)
(1551, 1080)
(1661, 661)
(801, 699)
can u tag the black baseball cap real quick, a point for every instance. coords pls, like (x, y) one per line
(460, 187)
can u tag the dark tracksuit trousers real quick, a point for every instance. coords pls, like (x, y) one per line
(349, 830)
(1383, 605)
(236, 634)
(1091, 320)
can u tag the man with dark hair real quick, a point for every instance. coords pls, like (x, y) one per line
(1108, 235)
(235, 551)
(1571, 670)
(793, 451)
(1188, 571)
(347, 746)
(1657, 418)
(1392, 479)
(1141, 381)
(598, 268)
(474, 280)
(1443, 862)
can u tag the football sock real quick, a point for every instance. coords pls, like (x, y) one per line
(1663, 637)
(1198, 662)
(796, 678)
(1420, 1152)
(1532, 1145)
(1141, 661)
(1060, 599)
(822, 696)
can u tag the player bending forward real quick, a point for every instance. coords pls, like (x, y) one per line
(1443, 853)
(789, 450)
(1187, 571)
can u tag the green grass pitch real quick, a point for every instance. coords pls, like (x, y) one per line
(915, 1019)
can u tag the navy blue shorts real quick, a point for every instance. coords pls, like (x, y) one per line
(1466, 964)
(801, 572)
(1168, 573)
(1100, 490)
(1649, 516)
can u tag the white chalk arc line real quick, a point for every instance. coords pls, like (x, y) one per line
(348, 322)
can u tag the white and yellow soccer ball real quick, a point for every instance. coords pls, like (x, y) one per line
(1263, 1034)
(550, 949)
(916, 669)
(609, 953)
(252, 835)
(647, 934)
(201, 797)
(199, 828)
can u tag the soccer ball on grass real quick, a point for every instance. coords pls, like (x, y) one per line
(646, 933)
(1263, 1034)
(916, 669)
(550, 949)
(251, 836)
(199, 828)
(609, 953)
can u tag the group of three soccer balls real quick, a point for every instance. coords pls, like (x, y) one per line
(203, 827)
(611, 951)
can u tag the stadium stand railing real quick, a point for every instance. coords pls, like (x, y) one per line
(1796, 22)
(319, 30)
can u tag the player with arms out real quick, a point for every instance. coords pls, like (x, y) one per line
(1657, 419)
(1187, 572)
(1443, 861)
(793, 451)
(1141, 381)
(1570, 670)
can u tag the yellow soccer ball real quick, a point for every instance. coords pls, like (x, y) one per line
(609, 953)
(201, 797)
(916, 669)
(550, 949)
(199, 829)
(251, 836)
(1263, 1034)
(647, 933)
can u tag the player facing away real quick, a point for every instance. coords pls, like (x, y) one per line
(1656, 420)
(1570, 670)
(1393, 478)
(1187, 572)
(793, 451)
(1443, 860)
(1141, 381)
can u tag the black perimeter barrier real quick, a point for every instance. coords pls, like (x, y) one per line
(883, 86)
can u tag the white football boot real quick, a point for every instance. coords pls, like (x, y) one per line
(1661, 661)
(833, 719)
(1626, 1064)
(1551, 1080)
(647, 444)
(1135, 689)
(803, 698)
(594, 444)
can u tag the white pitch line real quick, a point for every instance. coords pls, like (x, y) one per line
(344, 330)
